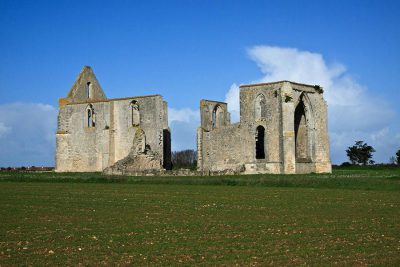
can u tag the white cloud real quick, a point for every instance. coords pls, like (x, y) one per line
(232, 98)
(183, 115)
(27, 134)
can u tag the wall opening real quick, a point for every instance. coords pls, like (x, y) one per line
(135, 114)
(217, 116)
(167, 149)
(90, 118)
(260, 107)
(89, 90)
(301, 132)
(260, 135)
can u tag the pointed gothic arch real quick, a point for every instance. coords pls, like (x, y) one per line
(304, 129)
(89, 90)
(135, 113)
(260, 109)
(90, 116)
(218, 116)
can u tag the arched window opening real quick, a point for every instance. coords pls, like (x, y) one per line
(217, 116)
(214, 119)
(260, 107)
(301, 132)
(260, 135)
(90, 117)
(89, 90)
(135, 113)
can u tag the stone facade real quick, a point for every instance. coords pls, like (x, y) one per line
(95, 133)
(282, 129)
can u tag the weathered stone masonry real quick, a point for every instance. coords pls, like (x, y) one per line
(95, 133)
(282, 129)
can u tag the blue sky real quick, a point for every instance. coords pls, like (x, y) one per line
(189, 50)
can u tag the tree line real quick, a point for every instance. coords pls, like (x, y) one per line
(185, 159)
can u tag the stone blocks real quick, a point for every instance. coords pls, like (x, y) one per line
(282, 129)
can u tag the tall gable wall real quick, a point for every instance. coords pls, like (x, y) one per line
(86, 86)
(94, 133)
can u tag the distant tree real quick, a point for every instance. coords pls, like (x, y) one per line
(360, 153)
(184, 159)
(398, 157)
(392, 160)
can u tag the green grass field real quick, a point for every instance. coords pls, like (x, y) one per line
(351, 217)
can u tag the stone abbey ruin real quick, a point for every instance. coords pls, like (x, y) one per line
(282, 129)
(98, 134)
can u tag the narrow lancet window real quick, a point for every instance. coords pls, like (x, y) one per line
(301, 132)
(135, 114)
(90, 117)
(260, 107)
(260, 148)
(89, 90)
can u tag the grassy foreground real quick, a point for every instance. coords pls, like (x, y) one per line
(351, 217)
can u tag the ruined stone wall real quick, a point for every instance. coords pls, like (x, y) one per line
(152, 121)
(271, 121)
(93, 132)
(224, 148)
(317, 120)
(267, 140)
(79, 147)
(234, 146)
(83, 148)
(213, 114)
(318, 159)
